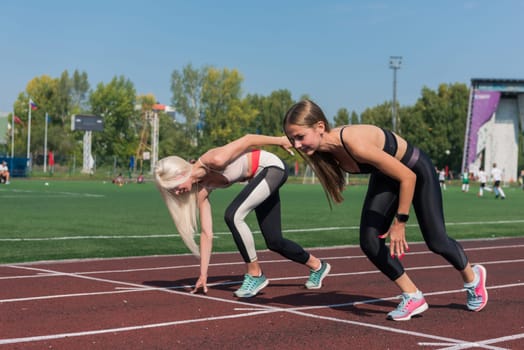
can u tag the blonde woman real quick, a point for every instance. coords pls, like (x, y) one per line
(186, 188)
(401, 174)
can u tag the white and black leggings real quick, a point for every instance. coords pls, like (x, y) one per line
(380, 208)
(261, 194)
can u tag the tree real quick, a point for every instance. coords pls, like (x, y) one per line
(443, 114)
(186, 87)
(71, 95)
(46, 92)
(79, 91)
(379, 115)
(174, 140)
(115, 102)
(342, 117)
(270, 111)
(226, 117)
(354, 118)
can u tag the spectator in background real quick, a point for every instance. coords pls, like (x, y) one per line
(51, 161)
(140, 178)
(483, 178)
(465, 181)
(131, 165)
(4, 173)
(442, 179)
(119, 180)
(496, 176)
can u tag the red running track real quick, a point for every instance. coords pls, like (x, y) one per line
(143, 303)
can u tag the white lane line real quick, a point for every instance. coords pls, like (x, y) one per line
(266, 309)
(72, 295)
(186, 287)
(262, 309)
(141, 287)
(126, 329)
(483, 342)
(314, 229)
(274, 261)
(389, 329)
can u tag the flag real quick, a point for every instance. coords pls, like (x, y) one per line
(33, 105)
(18, 120)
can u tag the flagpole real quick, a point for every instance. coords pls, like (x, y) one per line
(12, 139)
(29, 136)
(45, 144)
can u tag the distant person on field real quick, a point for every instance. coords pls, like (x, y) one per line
(401, 175)
(496, 177)
(140, 178)
(483, 179)
(442, 179)
(4, 173)
(465, 181)
(119, 180)
(186, 188)
(131, 167)
(51, 161)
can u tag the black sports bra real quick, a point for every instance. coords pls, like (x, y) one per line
(390, 147)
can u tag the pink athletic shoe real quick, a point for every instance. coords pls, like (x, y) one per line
(408, 307)
(477, 293)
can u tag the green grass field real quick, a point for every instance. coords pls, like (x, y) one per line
(86, 219)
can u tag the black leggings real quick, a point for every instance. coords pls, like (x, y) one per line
(380, 207)
(261, 194)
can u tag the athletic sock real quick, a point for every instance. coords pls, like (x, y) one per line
(417, 294)
(472, 283)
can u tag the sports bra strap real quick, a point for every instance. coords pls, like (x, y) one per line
(255, 159)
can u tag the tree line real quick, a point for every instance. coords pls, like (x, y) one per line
(212, 110)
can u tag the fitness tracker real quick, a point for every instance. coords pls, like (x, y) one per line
(402, 217)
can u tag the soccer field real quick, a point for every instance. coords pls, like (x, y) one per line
(86, 219)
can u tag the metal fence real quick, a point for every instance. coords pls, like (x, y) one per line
(72, 166)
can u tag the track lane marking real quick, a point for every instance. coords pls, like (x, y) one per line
(292, 230)
(274, 261)
(459, 343)
(187, 287)
(265, 310)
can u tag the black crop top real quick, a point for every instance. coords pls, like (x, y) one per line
(390, 147)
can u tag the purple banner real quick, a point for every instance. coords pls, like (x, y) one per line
(485, 103)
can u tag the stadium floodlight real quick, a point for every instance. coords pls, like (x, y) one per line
(394, 63)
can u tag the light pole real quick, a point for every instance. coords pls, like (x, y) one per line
(394, 63)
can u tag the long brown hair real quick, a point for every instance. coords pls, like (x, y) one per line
(307, 113)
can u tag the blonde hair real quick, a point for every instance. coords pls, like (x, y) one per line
(306, 113)
(171, 172)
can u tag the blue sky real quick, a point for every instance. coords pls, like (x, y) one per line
(337, 52)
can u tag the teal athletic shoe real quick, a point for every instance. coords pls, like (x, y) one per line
(251, 286)
(316, 277)
(409, 307)
(477, 296)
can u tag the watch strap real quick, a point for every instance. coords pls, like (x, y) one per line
(402, 217)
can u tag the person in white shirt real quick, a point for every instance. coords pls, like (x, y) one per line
(186, 188)
(442, 179)
(496, 176)
(4, 173)
(482, 178)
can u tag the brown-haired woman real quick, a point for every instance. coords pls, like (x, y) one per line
(400, 175)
